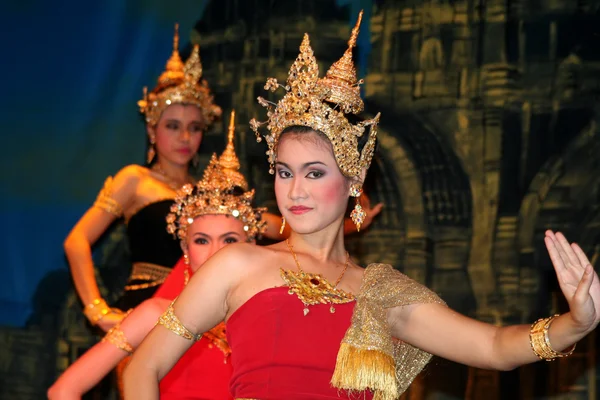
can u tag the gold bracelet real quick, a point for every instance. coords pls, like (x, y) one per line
(96, 310)
(540, 341)
(170, 321)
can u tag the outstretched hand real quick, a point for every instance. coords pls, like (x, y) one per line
(577, 279)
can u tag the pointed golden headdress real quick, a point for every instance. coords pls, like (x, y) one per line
(229, 160)
(217, 193)
(321, 104)
(180, 83)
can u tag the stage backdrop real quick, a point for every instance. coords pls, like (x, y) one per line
(489, 135)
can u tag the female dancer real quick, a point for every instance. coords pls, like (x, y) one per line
(327, 328)
(177, 112)
(214, 213)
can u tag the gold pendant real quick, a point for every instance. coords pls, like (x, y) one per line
(313, 289)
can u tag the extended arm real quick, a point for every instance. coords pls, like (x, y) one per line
(201, 306)
(116, 194)
(446, 333)
(97, 362)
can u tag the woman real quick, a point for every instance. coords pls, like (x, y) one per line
(327, 328)
(220, 211)
(177, 112)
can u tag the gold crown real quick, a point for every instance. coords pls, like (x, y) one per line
(180, 83)
(217, 193)
(321, 104)
(229, 160)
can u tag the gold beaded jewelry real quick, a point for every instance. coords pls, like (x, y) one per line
(105, 200)
(170, 321)
(96, 310)
(540, 342)
(314, 289)
(116, 337)
(358, 214)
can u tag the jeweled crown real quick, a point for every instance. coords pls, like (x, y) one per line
(217, 193)
(321, 104)
(180, 83)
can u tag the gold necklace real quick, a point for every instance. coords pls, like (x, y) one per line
(172, 182)
(314, 289)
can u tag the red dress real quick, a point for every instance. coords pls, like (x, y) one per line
(204, 371)
(278, 353)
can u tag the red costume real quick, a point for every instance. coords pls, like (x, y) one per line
(204, 371)
(278, 353)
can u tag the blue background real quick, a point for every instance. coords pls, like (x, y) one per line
(72, 74)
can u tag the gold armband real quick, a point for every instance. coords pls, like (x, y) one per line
(170, 321)
(540, 342)
(105, 200)
(116, 337)
(96, 310)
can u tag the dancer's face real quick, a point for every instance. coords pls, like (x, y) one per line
(210, 233)
(178, 133)
(312, 193)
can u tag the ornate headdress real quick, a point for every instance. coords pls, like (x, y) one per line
(217, 193)
(180, 83)
(321, 104)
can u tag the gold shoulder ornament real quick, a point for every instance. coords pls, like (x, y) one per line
(369, 358)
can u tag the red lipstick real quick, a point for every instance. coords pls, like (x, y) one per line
(299, 210)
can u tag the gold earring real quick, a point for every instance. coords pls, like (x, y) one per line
(150, 155)
(358, 214)
(186, 259)
(151, 151)
(282, 225)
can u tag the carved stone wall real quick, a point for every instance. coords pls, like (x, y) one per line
(487, 138)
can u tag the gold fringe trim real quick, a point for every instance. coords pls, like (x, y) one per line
(358, 369)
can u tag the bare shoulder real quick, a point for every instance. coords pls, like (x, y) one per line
(123, 186)
(126, 180)
(240, 262)
(240, 255)
(131, 173)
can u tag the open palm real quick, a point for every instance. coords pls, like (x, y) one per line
(577, 279)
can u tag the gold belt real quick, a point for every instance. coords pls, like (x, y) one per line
(153, 273)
